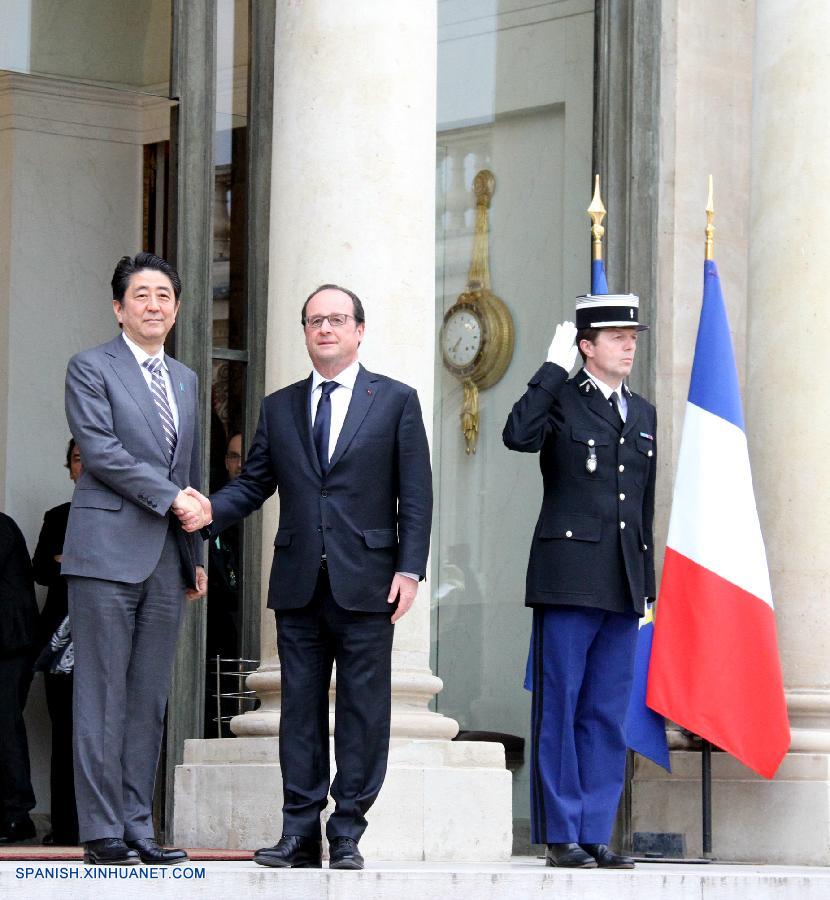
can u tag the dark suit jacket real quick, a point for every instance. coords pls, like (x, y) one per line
(18, 606)
(48, 571)
(373, 509)
(581, 554)
(118, 520)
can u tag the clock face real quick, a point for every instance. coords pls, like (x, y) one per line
(461, 339)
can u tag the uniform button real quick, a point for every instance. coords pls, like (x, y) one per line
(650, 453)
(622, 524)
(591, 442)
(622, 496)
(320, 528)
(622, 468)
(569, 534)
(324, 493)
(622, 440)
(645, 546)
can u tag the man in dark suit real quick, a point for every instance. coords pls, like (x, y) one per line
(348, 453)
(18, 641)
(132, 410)
(591, 567)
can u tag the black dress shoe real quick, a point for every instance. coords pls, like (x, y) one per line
(18, 830)
(152, 854)
(109, 851)
(292, 851)
(343, 854)
(569, 856)
(607, 859)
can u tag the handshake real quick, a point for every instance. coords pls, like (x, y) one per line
(192, 509)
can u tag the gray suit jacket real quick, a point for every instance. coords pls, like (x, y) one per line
(119, 514)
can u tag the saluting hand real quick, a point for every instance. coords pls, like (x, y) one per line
(562, 351)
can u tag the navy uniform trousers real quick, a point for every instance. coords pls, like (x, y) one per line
(582, 662)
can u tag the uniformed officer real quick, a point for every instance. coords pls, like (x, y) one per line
(591, 567)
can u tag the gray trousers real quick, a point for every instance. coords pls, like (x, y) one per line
(125, 642)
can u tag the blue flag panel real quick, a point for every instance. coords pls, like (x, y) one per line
(714, 384)
(598, 283)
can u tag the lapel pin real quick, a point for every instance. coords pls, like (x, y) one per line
(181, 386)
(369, 391)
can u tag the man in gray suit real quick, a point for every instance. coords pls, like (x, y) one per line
(132, 410)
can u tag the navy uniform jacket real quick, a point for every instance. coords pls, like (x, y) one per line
(593, 543)
(371, 513)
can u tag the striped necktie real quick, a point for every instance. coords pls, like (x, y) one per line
(159, 392)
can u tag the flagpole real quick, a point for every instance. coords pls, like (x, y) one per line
(706, 805)
(710, 228)
(706, 749)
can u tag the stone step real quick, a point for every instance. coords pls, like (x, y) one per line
(521, 878)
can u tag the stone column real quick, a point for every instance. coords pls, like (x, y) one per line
(788, 424)
(353, 203)
(786, 317)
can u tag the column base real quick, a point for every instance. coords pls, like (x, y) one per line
(442, 800)
(785, 821)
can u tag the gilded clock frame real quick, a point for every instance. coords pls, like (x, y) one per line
(497, 338)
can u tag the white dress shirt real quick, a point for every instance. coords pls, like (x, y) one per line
(340, 399)
(607, 391)
(142, 355)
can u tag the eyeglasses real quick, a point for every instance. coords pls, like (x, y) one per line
(233, 457)
(336, 320)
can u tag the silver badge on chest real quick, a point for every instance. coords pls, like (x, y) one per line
(591, 461)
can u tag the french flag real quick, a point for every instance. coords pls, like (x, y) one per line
(715, 667)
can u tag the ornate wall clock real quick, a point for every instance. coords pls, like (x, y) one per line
(477, 332)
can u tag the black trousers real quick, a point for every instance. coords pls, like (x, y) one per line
(308, 641)
(16, 795)
(61, 775)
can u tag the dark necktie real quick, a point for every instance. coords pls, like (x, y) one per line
(159, 392)
(322, 424)
(614, 400)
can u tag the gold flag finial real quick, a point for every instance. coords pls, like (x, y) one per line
(710, 228)
(597, 213)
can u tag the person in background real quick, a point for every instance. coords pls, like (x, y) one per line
(222, 638)
(18, 640)
(56, 662)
